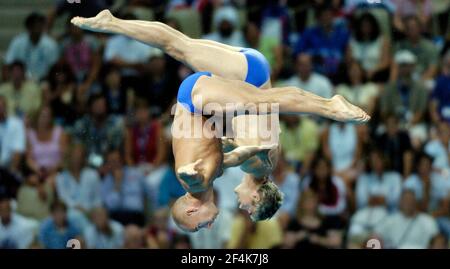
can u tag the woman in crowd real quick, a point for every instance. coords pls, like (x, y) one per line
(310, 229)
(46, 143)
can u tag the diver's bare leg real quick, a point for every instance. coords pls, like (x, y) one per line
(201, 55)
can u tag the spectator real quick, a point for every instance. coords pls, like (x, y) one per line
(23, 95)
(35, 197)
(309, 229)
(98, 131)
(170, 188)
(12, 139)
(408, 228)
(134, 237)
(369, 47)
(330, 190)
(114, 91)
(440, 97)
(430, 187)
(326, 42)
(289, 184)
(82, 53)
(78, 186)
(103, 233)
(34, 48)
(439, 147)
(123, 191)
(9, 182)
(246, 234)
(424, 50)
(307, 79)
(144, 145)
(226, 25)
(406, 96)
(299, 139)
(16, 231)
(357, 89)
(378, 186)
(159, 235)
(46, 144)
(57, 229)
(129, 55)
(363, 223)
(439, 241)
(224, 185)
(61, 95)
(218, 235)
(341, 145)
(403, 8)
(181, 241)
(396, 146)
(158, 87)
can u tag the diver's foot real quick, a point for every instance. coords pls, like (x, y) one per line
(343, 110)
(99, 23)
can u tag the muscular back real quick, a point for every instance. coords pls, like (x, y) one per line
(189, 148)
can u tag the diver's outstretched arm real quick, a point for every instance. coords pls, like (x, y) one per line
(240, 154)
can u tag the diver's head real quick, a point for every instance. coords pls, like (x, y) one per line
(261, 199)
(193, 212)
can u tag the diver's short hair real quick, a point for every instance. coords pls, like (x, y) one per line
(271, 200)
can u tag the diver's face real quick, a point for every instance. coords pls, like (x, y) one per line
(246, 194)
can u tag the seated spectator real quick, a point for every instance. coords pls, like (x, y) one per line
(369, 47)
(129, 55)
(330, 189)
(358, 90)
(425, 51)
(158, 87)
(103, 233)
(224, 185)
(23, 95)
(12, 138)
(309, 229)
(326, 43)
(98, 131)
(58, 228)
(246, 234)
(226, 25)
(377, 186)
(113, 89)
(440, 97)
(181, 241)
(439, 147)
(16, 231)
(289, 184)
(404, 8)
(430, 187)
(351, 6)
(123, 191)
(46, 144)
(309, 80)
(61, 95)
(35, 197)
(82, 54)
(218, 235)
(396, 146)
(408, 228)
(363, 223)
(159, 235)
(405, 97)
(34, 48)
(170, 188)
(134, 237)
(299, 140)
(340, 144)
(144, 145)
(9, 183)
(78, 186)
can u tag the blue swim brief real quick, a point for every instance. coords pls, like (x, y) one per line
(258, 69)
(184, 96)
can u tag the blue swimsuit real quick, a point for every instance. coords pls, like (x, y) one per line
(258, 73)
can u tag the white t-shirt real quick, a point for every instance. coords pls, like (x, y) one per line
(12, 139)
(440, 188)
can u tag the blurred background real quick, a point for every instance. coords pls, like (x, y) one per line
(85, 149)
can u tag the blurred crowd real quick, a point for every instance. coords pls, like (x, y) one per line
(85, 146)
